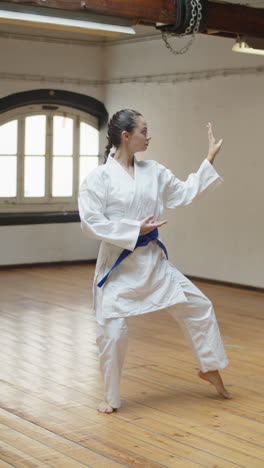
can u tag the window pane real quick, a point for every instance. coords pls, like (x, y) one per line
(8, 176)
(62, 136)
(35, 135)
(8, 138)
(62, 177)
(89, 142)
(86, 165)
(34, 176)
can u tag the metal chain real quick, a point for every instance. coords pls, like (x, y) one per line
(194, 21)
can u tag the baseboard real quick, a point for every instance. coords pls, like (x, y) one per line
(49, 264)
(93, 261)
(225, 283)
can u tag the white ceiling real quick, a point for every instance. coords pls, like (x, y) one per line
(56, 35)
(32, 33)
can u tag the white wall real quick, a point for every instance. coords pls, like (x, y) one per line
(152, 57)
(49, 65)
(221, 235)
(55, 66)
(45, 243)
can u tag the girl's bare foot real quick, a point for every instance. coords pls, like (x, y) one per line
(104, 407)
(215, 379)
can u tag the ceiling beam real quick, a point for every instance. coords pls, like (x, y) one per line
(223, 17)
(236, 19)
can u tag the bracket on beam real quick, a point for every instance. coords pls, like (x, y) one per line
(188, 14)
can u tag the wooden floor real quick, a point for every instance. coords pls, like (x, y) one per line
(50, 382)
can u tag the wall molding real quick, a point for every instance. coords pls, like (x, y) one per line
(48, 79)
(171, 78)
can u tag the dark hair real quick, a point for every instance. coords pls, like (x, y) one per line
(123, 120)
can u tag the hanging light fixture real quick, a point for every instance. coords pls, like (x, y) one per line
(249, 45)
(51, 18)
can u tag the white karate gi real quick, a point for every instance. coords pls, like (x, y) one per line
(111, 205)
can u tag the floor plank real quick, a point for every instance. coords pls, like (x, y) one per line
(51, 384)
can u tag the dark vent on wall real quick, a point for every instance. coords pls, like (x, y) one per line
(50, 107)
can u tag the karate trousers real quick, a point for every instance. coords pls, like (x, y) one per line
(197, 319)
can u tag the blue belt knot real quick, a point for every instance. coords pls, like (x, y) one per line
(142, 240)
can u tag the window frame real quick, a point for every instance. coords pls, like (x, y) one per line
(20, 203)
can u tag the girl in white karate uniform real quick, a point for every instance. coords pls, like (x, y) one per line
(121, 203)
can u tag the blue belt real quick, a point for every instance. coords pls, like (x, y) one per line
(142, 240)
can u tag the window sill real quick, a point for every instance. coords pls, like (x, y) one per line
(15, 219)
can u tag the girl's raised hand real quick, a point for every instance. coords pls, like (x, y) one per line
(214, 147)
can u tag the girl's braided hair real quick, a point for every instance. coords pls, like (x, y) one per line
(123, 120)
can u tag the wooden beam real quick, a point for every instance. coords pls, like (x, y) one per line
(147, 10)
(236, 19)
(223, 17)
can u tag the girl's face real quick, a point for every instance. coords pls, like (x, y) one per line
(138, 139)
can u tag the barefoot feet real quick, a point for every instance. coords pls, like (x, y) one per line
(104, 407)
(215, 379)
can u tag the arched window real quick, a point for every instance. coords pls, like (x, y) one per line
(45, 152)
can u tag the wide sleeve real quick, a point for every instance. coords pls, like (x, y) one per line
(92, 202)
(181, 193)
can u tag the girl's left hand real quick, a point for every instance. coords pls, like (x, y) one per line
(214, 147)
